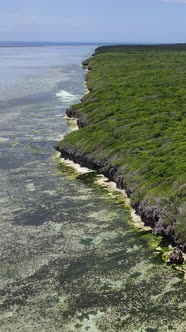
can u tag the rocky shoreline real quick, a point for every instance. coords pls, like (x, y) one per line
(150, 215)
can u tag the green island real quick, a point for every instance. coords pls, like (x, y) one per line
(133, 129)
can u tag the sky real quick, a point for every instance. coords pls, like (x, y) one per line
(124, 21)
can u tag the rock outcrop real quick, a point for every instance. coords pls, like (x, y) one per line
(176, 257)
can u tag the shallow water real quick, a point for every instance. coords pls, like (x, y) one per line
(70, 257)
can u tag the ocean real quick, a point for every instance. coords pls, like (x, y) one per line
(70, 256)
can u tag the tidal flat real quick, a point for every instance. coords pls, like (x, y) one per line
(71, 260)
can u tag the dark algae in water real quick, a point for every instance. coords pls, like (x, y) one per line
(133, 129)
(70, 258)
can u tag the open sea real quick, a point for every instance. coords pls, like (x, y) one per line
(70, 257)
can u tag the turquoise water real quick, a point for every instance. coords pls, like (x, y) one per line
(70, 257)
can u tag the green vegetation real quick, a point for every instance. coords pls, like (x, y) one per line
(134, 120)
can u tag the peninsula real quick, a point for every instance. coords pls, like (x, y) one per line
(133, 130)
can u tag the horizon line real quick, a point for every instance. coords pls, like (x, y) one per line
(21, 43)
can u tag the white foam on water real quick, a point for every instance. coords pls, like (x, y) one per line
(66, 96)
(30, 187)
(50, 192)
(38, 138)
(3, 139)
(60, 137)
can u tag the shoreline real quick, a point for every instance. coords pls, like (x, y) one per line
(104, 182)
(137, 222)
(149, 215)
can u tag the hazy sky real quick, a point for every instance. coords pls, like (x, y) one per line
(94, 20)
